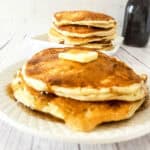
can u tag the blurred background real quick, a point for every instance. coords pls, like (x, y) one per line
(35, 15)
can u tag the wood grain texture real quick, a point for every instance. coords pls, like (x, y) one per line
(12, 139)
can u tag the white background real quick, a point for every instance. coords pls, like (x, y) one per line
(42, 10)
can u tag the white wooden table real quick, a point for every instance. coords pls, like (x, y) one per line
(11, 138)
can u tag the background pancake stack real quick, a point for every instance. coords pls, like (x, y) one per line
(82, 93)
(83, 28)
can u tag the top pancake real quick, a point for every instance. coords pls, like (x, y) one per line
(105, 73)
(84, 17)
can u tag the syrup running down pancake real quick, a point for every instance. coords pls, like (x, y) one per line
(79, 116)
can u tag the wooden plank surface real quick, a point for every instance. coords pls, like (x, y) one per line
(12, 139)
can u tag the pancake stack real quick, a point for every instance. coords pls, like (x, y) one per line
(83, 28)
(80, 86)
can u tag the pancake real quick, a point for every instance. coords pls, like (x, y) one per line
(59, 38)
(99, 46)
(83, 31)
(103, 79)
(79, 116)
(83, 17)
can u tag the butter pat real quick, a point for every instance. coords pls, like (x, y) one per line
(81, 56)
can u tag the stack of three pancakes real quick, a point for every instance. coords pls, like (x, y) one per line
(82, 93)
(83, 28)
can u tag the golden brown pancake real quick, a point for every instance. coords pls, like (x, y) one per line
(83, 31)
(80, 116)
(59, 38)
(83, 17)
(105, 78)
(99, 45)
(46, 66)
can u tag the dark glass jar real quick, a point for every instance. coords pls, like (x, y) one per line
(136, 29)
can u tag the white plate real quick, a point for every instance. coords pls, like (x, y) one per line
(43, 39)
(108, 133)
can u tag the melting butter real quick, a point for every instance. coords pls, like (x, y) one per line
(81, 56)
